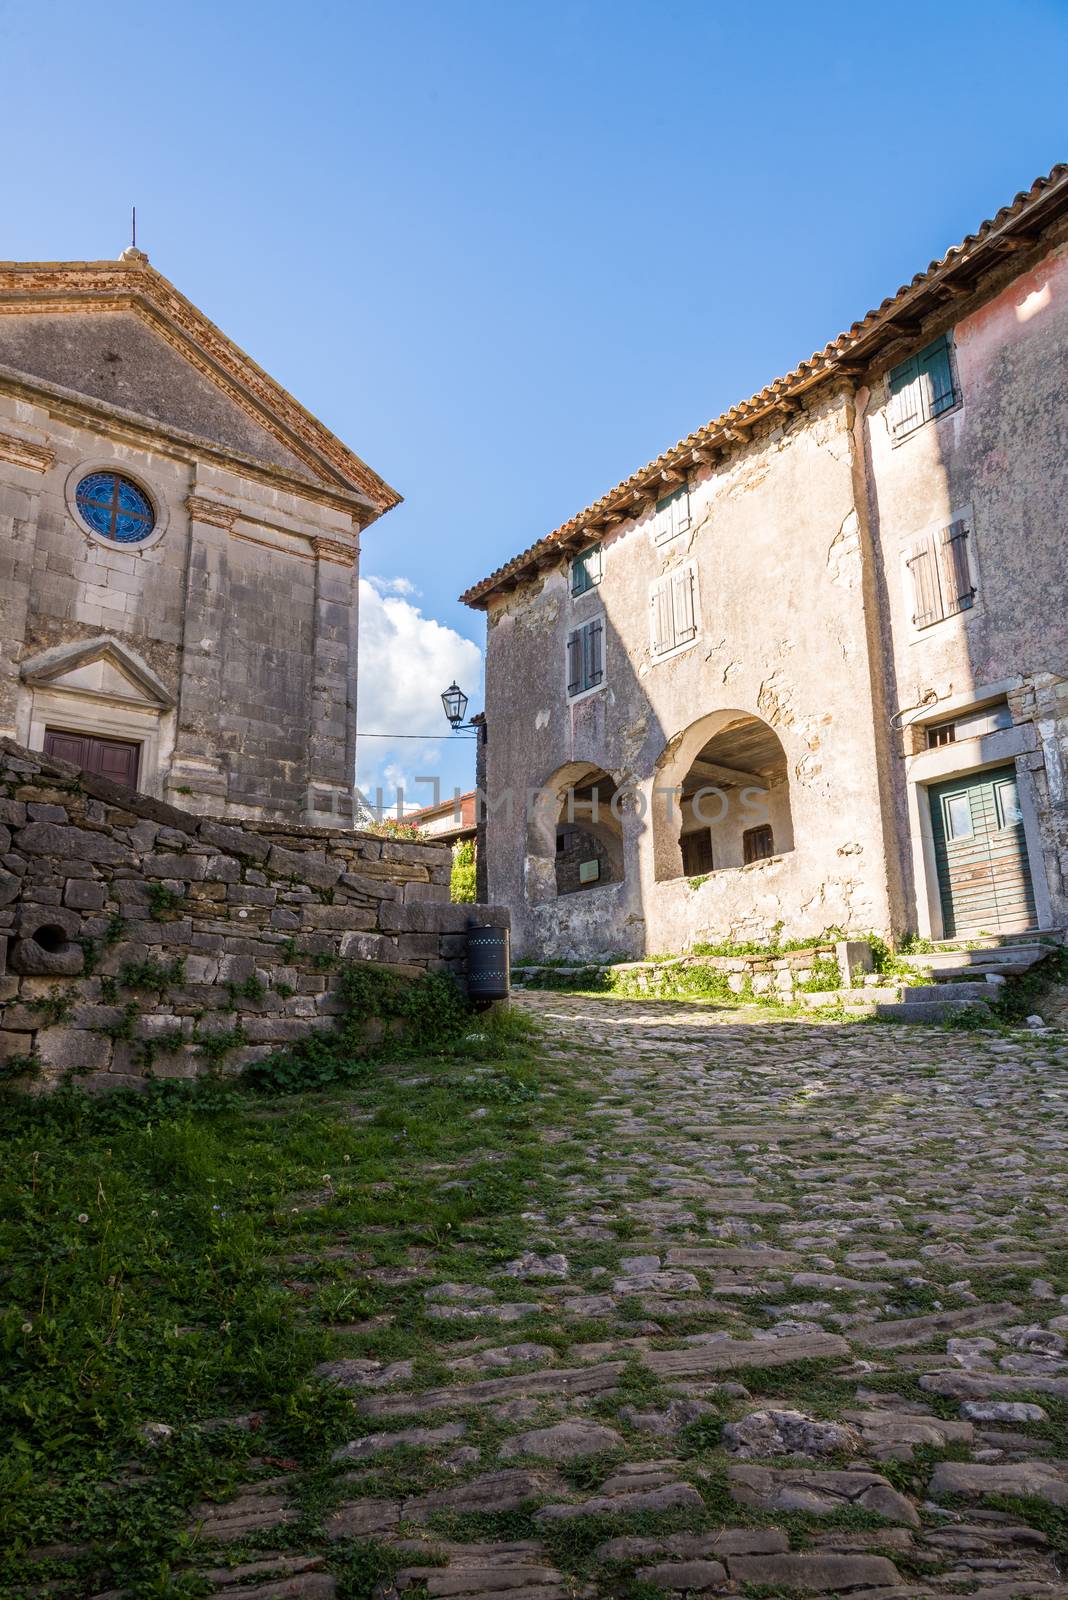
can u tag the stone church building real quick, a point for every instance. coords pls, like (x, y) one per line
(809, 667)
(179, 548)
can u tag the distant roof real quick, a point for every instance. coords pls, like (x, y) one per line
(1017, 227)
(132, 284)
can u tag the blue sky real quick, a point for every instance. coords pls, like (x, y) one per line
(510, 251)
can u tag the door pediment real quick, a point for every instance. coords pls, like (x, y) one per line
(101, 669)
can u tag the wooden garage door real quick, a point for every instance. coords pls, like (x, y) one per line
(984, 878)
(110, 758)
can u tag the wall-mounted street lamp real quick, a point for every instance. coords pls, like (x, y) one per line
(455, 702)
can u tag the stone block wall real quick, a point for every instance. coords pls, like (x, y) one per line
(138, 940)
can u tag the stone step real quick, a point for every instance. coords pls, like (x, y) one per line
(1005, 959)
(927, 1010)
(959, 993)
(994, 941)
(851, 997)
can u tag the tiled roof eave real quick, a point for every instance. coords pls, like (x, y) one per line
(1019, 226)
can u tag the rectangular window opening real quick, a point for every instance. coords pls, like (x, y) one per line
(697, 853)
(586, 570)
(672, 515)
(922, 388)
(757, 844)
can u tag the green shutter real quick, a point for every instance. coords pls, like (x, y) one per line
(593, 653)
(906, 410)
(936, 379)
(574, 661)
(586, 570)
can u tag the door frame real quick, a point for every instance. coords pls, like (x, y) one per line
(1006, 748)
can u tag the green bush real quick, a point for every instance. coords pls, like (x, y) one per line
(462, 885)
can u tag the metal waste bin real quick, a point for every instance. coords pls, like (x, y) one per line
(488, 962)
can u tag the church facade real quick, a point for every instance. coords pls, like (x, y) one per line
(179, 552)
(808, 668)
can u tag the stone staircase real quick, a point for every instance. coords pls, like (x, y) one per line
(965, 975)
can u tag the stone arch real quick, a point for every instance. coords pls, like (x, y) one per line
(579, 799)
(721, 796)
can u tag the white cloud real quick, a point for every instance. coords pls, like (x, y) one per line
(401, 586)
(405, 660)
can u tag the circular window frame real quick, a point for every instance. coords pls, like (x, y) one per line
(150, 492)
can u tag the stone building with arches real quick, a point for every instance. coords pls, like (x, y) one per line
(808, 668)
(179, 549)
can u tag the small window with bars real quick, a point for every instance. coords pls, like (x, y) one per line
(922, 388)
(943, 733)
(673, 604)
(586, 569)
(941, 576)
(672, 516)
(757, 844)
(585, 657)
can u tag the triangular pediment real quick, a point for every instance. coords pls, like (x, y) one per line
(118, 332)
(102, 668)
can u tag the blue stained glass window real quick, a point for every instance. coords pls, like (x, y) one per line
(115, 508)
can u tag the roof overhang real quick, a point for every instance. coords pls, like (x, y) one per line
(1017, 232)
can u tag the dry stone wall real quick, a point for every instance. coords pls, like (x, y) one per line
(138, 940)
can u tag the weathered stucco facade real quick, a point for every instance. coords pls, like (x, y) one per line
(809, 668)
(213, 656)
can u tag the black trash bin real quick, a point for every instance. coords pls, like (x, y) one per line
(488, 962)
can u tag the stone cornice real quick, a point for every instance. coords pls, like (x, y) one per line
(334, 550)
(23, 453)
(214, 512)
(132, 285)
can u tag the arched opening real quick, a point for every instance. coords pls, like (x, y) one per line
(724, 795)
(574, 834)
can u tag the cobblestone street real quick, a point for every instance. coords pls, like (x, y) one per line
(808, 1314)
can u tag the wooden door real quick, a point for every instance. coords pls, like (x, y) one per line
(984, 878)
(116, 759)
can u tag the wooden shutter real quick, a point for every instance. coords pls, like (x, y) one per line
(926, 594)
(680, 507)
(936, 379)
(684, 621)
(593, 641)
(574, 661)
(905, 399)
(957, 588)
(663, 620)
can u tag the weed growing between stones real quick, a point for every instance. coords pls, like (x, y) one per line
(384, 1016)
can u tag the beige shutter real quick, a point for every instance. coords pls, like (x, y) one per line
(957, 587)
(681, 509)
(663, 619)
(926, 593)
(682, 605)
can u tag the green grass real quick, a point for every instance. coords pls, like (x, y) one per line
(146, 1244)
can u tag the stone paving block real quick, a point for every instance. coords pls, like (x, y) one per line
(820, 1494)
